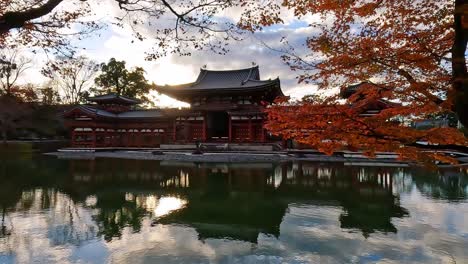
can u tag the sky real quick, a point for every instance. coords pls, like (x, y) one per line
(118, 42)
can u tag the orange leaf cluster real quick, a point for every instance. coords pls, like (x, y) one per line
(403, 48)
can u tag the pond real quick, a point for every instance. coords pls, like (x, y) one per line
(133, 211)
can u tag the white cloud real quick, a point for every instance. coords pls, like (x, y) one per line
(120, 43)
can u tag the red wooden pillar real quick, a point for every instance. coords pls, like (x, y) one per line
(188, 131)
(230, 129)
(204, 128)
(142, 138)
(250, 129)
(124, 138)
(108, 138)
(118, 138)
(139, 140)
(130, 138)
(174, 131)
(263, 131)
(135, 138)
(93, 137)
(72, 137)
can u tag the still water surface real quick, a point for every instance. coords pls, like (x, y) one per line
(130, 211)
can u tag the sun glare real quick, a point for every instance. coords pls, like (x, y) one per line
(164, 101)
(168, 204)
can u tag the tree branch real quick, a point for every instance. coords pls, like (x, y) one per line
(18, 19)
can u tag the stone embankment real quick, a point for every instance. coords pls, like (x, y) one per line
(235, 157)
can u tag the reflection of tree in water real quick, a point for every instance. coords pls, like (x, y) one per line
(449, 183)
(117, 211)
(32, 183)
(10, 188)
(63, 220)
(121, 190)
(9, 196)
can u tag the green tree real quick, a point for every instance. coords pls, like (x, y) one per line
(116, 78)
(49, 96)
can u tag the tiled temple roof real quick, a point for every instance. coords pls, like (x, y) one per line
(132, 114)
(209, 81)
(112, 98)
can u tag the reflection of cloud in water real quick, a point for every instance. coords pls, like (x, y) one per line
(58, 226)
(48, 229)
(168, 204)
(91, 201)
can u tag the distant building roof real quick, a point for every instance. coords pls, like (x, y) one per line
(373, 105)
(430, 123)
(113, 98)
(132, 114)
(209, 82)
(349, 90)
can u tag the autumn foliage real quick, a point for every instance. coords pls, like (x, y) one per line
(411, 55)
(405, 49)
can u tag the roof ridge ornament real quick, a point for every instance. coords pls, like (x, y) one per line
(200, 76)
(250, 73)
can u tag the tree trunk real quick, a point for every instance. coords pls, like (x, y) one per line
(460, 80)
(7, 84)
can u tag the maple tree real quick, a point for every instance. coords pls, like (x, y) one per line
(410, 52)
(43, 24)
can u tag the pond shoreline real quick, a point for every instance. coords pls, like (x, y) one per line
(229, 157)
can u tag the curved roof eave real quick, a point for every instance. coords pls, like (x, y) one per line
(114, 97)
(183, 89)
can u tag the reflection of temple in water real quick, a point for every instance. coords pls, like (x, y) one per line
(365, 194)
(108, 198)
(257, 195)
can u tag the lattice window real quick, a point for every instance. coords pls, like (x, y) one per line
(196, 131)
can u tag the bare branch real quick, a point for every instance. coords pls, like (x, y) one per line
(11, 74)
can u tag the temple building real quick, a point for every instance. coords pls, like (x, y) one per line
(113, 121)
(226, 106)
(373, 106)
